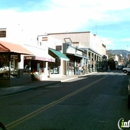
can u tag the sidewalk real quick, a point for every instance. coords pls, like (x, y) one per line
(35, 84)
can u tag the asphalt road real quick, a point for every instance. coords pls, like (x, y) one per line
(94, 102)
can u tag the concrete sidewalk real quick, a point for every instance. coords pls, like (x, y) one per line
(35, 84)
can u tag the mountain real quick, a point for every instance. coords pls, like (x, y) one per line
(117, 52)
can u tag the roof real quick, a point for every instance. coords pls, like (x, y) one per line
(59, 54)
(15, 48)
(59, 33)
(67, 33)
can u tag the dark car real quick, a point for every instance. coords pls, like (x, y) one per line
(119, 67)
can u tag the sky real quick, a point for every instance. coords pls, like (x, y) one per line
(108, 19)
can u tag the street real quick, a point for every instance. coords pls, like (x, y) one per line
(93, 102)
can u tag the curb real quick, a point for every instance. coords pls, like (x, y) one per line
(44, 85)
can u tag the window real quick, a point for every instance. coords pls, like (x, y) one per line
(2, 33)
(4, 66)
(9, 68)
(27, 67)
(14, 66)
(44, 38)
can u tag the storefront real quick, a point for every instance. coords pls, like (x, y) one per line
(60, 64)
(37, 64)
(11, 71)
(76, 56)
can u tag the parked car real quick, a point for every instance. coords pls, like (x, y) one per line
(129, 94)
(119, 67)
(126, 69)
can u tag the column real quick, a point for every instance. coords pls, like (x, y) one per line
(38, 67)
(20, 65)
(46, 68)
(74, 67)
(91, 62)
(87, 71)
(61, 67)
(94, 62)
(66, 68)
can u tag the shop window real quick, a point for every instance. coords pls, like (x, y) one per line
(27, 67)
(14, 66)
(4, 66)
(37, 67)
(54, 68)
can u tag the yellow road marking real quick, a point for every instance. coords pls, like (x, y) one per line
(40, 110)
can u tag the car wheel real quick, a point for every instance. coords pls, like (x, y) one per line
(125, 71)
(129, 101)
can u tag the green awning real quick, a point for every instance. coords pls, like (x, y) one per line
(59, 54)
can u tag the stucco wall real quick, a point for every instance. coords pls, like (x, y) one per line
(83, 37)
(103, 49)
(95, 43)
(51, 42)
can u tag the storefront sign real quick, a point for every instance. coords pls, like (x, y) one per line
(28, 57)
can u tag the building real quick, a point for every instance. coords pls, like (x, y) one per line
(11, 64)
(86, 41)
(50, 55)
(55, 49)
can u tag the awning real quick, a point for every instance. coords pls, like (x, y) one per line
(59, 54)
(15, 48)
(45, 58)
(38, 54)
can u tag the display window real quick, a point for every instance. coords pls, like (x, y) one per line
(4, 66)
(54, 68)
(27, 67)
(14, 66)
(37, 67)
(9, 66)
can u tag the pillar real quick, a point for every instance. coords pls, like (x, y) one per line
(61, 67)
(38, 67)
(87, 62)
(91, 56)
(46, 69)
(21, 65)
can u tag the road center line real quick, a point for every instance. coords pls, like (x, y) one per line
(40, 110)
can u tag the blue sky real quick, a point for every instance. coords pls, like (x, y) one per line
(109, 19)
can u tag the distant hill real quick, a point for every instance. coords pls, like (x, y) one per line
(117, 52)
